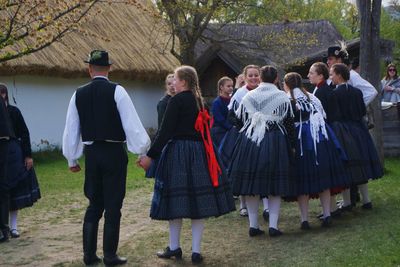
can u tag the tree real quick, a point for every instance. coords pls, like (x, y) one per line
(370, 13)
(189, 19)
(29, 26)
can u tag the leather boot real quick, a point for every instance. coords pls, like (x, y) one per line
(90, 243)
(110, 245)
(4, 217)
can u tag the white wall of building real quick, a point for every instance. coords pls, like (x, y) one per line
(43, 102)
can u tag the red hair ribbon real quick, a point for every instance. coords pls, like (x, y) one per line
(202, 125)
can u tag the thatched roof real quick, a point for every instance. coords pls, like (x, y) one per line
(282, 44)
(136, 44)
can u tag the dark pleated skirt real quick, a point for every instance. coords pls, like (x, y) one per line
(363, 161)
(265, 169)
(227, 146)
(217, 133)
(323, 170)
(183, 186)
(23, 183)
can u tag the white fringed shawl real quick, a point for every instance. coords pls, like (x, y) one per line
(237, 97)
(317, 115)
(262, 108)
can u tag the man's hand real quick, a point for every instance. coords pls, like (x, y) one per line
(75, 168)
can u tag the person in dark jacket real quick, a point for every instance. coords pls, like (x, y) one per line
(5, 135)
(219, 110)
(21, 176)
(169, 92)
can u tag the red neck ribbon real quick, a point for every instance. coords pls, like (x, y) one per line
(202, 125)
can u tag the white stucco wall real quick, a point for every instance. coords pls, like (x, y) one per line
(43, 102)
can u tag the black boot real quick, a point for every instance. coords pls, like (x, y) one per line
(4, 216)
(90, 243)
(110, 245)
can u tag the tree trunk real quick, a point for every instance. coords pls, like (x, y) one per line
(370, 14)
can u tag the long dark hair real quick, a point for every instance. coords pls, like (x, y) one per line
(189, 75)
(4, 90)
(293, 80)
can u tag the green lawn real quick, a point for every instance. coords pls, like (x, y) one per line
(359, 238)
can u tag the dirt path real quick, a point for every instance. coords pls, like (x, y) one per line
(54, 238)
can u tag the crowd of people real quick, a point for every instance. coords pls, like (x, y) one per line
(261, 141)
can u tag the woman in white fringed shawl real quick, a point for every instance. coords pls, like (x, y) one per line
(251, 76)
(319, 165)
(261, 159)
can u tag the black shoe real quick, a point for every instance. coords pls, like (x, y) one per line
(367, 206)
(168, 253)
(91, 260)
(255, 232)
(14, 233)
(305, 226)
(116, 260)
(326, 222)
(266, 215)
(274, 232)
(4, 236)
(197, 258)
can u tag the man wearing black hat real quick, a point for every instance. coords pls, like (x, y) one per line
(339, 54)
(101, 116)
(5, 133)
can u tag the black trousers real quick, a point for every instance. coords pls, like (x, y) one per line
(4, 190)
(105, 181)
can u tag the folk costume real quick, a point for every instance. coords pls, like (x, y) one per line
(161, 108)
(319, 156)
(229, 140)
(101, 116)
(183, 187)
(24, 186)
(189, 183)
(221, 123)
(6, 132)
(261, 160)
(352, 133)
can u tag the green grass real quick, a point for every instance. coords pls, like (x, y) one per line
(359, 238)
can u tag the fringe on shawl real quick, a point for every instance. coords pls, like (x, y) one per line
(316, 120)
(262, 108)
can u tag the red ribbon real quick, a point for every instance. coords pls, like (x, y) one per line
(202, 125)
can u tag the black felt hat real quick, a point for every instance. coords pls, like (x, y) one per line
(99, 58)
(334, 51)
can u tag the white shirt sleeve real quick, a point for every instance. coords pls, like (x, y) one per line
(72, 145)
(136, 136)
(369, 92)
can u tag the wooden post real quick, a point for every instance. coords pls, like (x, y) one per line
(370, 15)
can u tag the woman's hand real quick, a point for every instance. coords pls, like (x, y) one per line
(28, 163)
(144, 162)
(388, 88)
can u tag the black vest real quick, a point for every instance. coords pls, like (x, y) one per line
(98, 113)
(6, 129)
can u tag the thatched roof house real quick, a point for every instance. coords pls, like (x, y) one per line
(42, 83)
(291, 46)
(137, 46)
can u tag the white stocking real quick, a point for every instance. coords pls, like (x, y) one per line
(175, 227)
